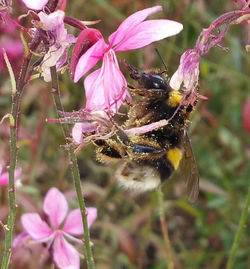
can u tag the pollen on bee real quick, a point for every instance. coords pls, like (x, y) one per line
(174, 155)
(174, 98)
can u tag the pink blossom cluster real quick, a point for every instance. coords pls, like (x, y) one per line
(58, 50)
(9, 41)
(55, 229)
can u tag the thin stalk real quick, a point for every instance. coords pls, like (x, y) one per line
(239, 233)
(74, 170)
(14, 119)
(164, 228)
(12, 200)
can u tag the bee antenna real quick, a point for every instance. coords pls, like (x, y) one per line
(161, 58)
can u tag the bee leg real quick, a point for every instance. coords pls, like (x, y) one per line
(139, 91)
(128, 103)
(131, 87)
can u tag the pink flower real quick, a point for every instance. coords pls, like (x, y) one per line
(55, 231)
(80, 128)
(14, 49)
(60, 41)
(35, 4)
(7, 24)
(12, 45)
(187, 72)
(96, 122)
(4, 177)
(106, 87)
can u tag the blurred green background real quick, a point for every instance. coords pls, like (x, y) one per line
(127, 233)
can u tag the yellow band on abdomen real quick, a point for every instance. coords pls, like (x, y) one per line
(174, 155)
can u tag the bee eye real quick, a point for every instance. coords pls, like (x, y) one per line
(154, 82)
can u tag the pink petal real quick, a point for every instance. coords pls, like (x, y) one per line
(106, 87)
(91, 215)
(55, 206)
(20, 239)
(148, 32)
(4, 177)
(12, 47)
(187, 72)
(147, 127)
(35, 4)
(1, 169)
(87, 37)
(73, 222)
(176, 80)
(191, 80)
(52, 21)
(80, 128)
(77, 133)
(89, 59)
(35, 226)
(17, 173)
(62, 59)
(131, 22)
(64, 254)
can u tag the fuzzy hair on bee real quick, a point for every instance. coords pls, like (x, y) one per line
(147, 160)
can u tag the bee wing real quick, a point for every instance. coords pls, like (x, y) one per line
(191, 169)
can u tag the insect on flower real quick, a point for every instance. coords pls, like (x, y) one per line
(151, 156)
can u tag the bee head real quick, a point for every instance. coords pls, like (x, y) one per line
(149, 80)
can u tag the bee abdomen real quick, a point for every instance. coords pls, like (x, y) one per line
(174, 156)
(168, 163)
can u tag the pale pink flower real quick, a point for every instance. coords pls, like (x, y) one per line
(95, 124)
(58, 227)
(35, 4)
(14, 49)
(187, 72)
(80, 128)
(60, 41)
(9, 40)
(7, 24)
(106, 87)
(4, 177)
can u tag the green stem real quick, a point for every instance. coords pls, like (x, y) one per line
(12, 204)
(14, 119)
(239, 232)
(164, 228)
(74, 170)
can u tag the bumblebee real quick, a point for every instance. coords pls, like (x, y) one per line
(148, 160)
